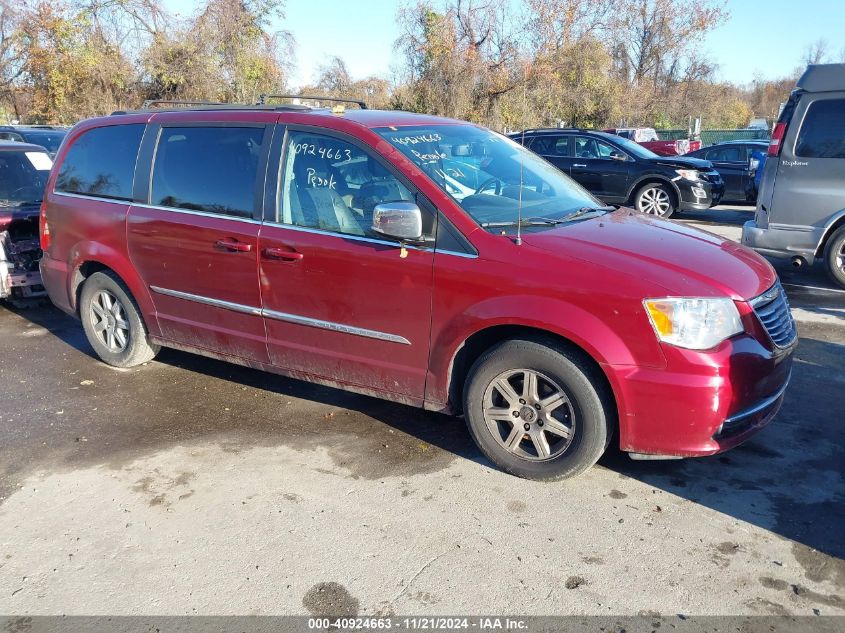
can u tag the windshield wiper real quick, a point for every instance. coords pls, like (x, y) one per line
(584, 211)
(523, 222)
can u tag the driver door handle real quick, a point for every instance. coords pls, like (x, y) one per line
(579, 165)
(230, 244)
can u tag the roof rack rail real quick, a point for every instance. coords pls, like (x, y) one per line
(205, 106)
(555, 129)
(153, 102)
(263, 99)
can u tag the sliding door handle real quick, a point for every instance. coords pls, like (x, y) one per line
(273, 252)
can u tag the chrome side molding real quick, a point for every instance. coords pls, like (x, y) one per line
(284, 316)
(217, 303)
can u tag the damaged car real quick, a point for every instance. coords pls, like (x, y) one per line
(24, 169)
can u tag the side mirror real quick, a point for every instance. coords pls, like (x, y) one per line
(617, 156)
(399, 220)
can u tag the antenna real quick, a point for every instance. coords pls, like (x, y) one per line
(518, 241)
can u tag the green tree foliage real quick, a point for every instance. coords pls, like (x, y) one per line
(588, 63)
(70, 66)
(60, 62)
(508, 64)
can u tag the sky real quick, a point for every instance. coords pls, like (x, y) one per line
(762, 37)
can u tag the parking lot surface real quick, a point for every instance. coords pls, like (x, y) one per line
(191, 486)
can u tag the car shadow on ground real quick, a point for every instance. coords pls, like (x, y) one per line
(732, 215)
(789, 479)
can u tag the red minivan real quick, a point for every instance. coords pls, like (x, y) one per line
(419, 259)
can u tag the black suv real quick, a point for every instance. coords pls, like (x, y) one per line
(620, 171)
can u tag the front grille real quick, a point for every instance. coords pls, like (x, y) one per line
(772, 308)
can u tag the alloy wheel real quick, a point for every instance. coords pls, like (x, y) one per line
(109, 321)
(655, 201)
(529, 414)
(840, 257)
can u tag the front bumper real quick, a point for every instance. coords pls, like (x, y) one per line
(701, 403)
(745, 423)
(28, 284)
(700, 194)
(18, 277)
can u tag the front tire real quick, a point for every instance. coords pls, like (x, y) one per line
(834, 256)
(655, 199)
(112, 322)
(536, 411)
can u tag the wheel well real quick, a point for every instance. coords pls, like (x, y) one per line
(483, 340)
(80, 275)
(828, 234)
(651, 180)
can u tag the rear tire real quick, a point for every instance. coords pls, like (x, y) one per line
(112, 322)
(655, 199)
(834, 256)
(549, 427)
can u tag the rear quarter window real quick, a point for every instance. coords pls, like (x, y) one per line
(101, 162)
(822, 133)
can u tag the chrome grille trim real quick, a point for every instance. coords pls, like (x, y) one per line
(772, 309)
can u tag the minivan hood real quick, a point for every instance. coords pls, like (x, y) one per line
(683, 162)
(682, 260)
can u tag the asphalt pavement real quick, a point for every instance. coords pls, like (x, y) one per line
(191, 486)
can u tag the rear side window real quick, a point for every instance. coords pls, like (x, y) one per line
(731, 154)
(211, 169)
(101, 162)
(550, 145)
(586, 147)
(822, 133)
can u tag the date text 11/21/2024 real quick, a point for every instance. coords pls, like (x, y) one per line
(420, 623)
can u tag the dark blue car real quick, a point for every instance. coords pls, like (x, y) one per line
(733, 160)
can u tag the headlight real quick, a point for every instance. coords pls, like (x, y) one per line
(693, 323)
(688, 174)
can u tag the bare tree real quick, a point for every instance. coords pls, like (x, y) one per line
(817, 52)
(461, 61)
(334, 78)
(658, 39)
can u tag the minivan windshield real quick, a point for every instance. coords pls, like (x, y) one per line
(496, 181)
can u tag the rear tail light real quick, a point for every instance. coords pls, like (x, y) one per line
(44, 228)
(777, 139)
